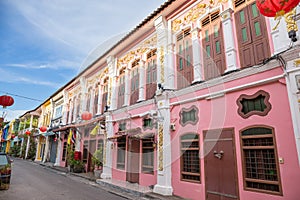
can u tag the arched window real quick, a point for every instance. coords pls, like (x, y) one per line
(260, 160)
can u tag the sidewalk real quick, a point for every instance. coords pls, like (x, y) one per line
(115, 186)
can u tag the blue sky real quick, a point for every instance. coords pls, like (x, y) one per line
(44, 44)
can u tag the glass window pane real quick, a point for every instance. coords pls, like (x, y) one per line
(180, 49)
(218, 48)
(216, 31)
(187, 45)
(180, 64)
(244, 34)
(208, 51)
(188, 60)
(206, 36)
(242, 17)
(257, 28)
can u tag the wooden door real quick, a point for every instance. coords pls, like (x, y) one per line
(92, 149)
(220, 165)
(133, 161)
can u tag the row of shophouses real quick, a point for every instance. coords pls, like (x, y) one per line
(200, 100)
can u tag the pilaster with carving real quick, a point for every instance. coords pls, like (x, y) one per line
(107, 156)
(142, 81)
(164, 161)
(127, 87)
(162, 42)
(229, 41)
(197, 55)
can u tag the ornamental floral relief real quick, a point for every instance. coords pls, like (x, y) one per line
(195, 13)
(160, 147)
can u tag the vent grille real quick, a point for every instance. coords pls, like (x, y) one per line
(135, 63)
(205, 21)
(215, 16)
(237, 3)
(151, 54)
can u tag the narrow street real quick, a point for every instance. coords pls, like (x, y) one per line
(32, 181)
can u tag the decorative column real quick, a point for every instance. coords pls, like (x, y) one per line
(293, 71)
(197, 55)
(100, 92)
(75, 104)
(229, 42)
(170, 72)
(142, 81)
(46, 152)
(83, 100)
(107, 147)
(66, 107)
(162, 52)
(92, 99)
(71, 111)
(164, 161)
(127, 87)
(59, 145)
(112, 93)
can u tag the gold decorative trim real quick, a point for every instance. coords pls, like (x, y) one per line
(290, 21)
(297, 63)
(160, 147)
(194, 13)
(162, 64)
(145, 46)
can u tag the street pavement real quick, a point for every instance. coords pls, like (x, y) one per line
(31, 181)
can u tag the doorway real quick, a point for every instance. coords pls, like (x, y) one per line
(220, 165)
(133, 161)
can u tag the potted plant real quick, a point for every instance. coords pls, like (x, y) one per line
(97, 161)
(70, 158)
(78, 166)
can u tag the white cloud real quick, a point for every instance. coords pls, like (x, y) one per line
(12, 114)
(82, 24)
(10, 77)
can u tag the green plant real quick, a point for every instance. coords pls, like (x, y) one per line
(97, 158)
(78, 166)
(70, 156)
(15, 150)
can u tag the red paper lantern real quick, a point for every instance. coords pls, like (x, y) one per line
(27, 132)
(86, 115)
(43, 129)
(275, 8)
(6, 101)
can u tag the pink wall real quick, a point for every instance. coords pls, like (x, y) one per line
(222, 113)
(144, 179)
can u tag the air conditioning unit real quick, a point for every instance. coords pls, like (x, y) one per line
(172, 127)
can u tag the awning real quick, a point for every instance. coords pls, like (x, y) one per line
(49, 133)
(143, 136)
(130, 132)
(115, 137)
